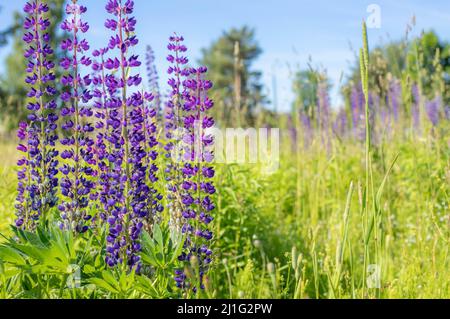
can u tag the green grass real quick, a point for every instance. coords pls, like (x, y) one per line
(299, 232)
(8, 156)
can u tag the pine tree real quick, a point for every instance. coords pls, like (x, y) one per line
(238, 89)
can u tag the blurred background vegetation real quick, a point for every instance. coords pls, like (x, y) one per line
(12, 82)
(238, 90)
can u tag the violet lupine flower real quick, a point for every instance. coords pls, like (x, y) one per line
(416, 106)
(196, 188)
(384, 114)
(340, 123)
(103, 123)
(110, 148)
(37, 178)
(146, 202)
(78, 170)
(169, 126)
(132, 208)
(323, 107)
(357, 102)
(395, 95)
(292, 133)
(447, 112)
(153, 78)
(323, 114)
(173, 125)
(433, 108)
(374, 107)
(151, 142)
(110, 153)
(23, 202)
(305, 121)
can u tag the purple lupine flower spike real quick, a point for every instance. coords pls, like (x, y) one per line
(23, 203)
(307, 129)
(395, 95)
(146, 200)
(37, 178)
(323, 113)
(447, 112)
(433, 109)
(415, 106)
(357, 106)
(78, 170)
(374, 107)
(323, 106)
(151, 142)
(109, 152)
(118, 198)
(103, 124)
(173, 125)
(196, 189)
(127, 213)
(340, 124)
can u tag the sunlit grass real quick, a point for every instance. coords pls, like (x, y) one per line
(8, 155)
(261, 217)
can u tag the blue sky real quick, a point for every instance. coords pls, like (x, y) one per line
(289, 31)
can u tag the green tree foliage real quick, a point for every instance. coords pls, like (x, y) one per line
(306, 86)
(237, 86)
(12, 82)
(423, 59)
(429, 62)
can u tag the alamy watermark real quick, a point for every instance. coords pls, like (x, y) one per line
(74, 276)
(230, 145)
(373, 21)
(373, 279)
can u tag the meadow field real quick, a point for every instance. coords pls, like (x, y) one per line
(358, 206)
(300, 232)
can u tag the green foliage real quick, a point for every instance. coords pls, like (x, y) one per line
(428, 58)
(161, 250)
(410, 61)
(13, 88)
(306, 204)
(305, 86)
(229, 66)
(45, 264)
